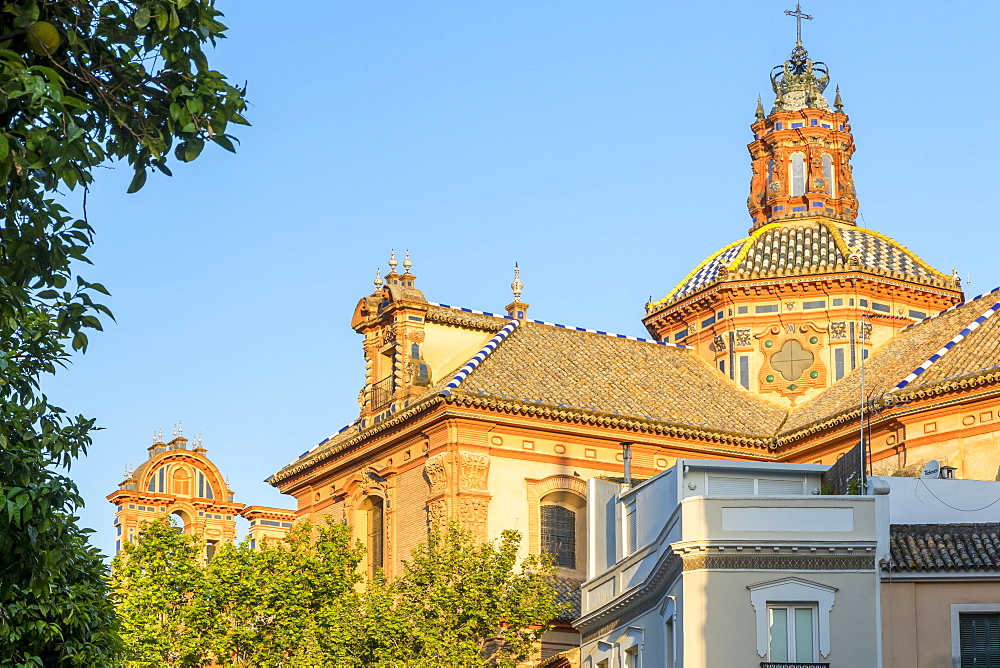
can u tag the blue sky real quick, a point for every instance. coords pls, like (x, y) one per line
(602, 145)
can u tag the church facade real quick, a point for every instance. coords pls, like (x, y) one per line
(790, 345)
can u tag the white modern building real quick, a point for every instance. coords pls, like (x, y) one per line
(718, 564)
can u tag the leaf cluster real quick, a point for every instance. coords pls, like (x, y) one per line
(82, 83)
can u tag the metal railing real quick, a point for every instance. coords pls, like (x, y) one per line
(382, 392)
(793, 664)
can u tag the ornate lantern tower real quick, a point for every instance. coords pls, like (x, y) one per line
(796, 306)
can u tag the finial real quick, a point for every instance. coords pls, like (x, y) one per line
(760, 109)
(407, 263)
(128, 471)
(180, 428)
(159, 435)
(392, 262)
(799, 15)
(378, 279)
(838, 104)
(175, 431)
(517, 286)
(155, 440)
(198, 440)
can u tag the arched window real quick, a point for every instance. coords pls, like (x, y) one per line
(563, 528)
(559, 534)
(371, 525)
(158, 483)
(178, 521)
(180, 481)
(204, 487)
(797, 174)
(828, 174)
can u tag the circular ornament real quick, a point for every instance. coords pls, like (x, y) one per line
(814, 340)
(769, 378)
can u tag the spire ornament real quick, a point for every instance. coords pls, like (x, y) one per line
(760, 109)
(799, 15)
(407, 263)
(517, 308)
(392, 262)
(378, 279)
(517, 286)
(838, 104)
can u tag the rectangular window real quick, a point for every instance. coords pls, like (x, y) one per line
(919, 315)
(853, 351)
(669, 644)
(631, 529)
(979, 638)
(766, 308)
(742, 309)
(708, 321)
(680, 335)
(732, 356)
(791, 633)
(813, 121)
(838, 363)
(559, 534)
(796, 125)
(838, 302)
(885, 308)
(631, 657)
(745, 371)
(819, 304)
(864, 302)
(720, 315)
(722, 366)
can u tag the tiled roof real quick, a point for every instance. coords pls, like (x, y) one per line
(465, 318)
(944, 547)
(578, 370)
(901, 355)
(978, 351)
(805, 246)
(568, 592)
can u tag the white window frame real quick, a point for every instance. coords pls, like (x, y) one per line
(793, 589)
(790, 608)
(956, 640)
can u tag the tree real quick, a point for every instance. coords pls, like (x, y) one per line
(462, 602)
(291, 601)
(302, 602)
(154, 582)
(82, 82)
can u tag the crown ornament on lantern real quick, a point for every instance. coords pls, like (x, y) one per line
(799, 82)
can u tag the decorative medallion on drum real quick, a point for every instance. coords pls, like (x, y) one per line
(794, 361)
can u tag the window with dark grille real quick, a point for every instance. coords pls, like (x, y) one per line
(979, 635)
(559, 534)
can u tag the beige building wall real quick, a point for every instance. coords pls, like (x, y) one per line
(917, 619)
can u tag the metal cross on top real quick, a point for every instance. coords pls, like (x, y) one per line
(799, 15)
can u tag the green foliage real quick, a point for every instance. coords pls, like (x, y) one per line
(302, 602)
(152, 582)
(82, 82)
(460, 602)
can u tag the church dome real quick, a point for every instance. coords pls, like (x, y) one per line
(802, 247)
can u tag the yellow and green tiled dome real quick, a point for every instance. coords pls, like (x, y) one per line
(807, 247)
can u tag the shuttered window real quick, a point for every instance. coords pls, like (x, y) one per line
(779, 487)
(979, 635)
(726, 486)
(631, 528)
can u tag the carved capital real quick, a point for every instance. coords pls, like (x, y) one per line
(436, 469)
(475, 468)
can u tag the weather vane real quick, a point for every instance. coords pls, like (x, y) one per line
(799, 15)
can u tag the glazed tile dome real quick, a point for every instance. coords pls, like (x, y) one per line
(812, 246)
